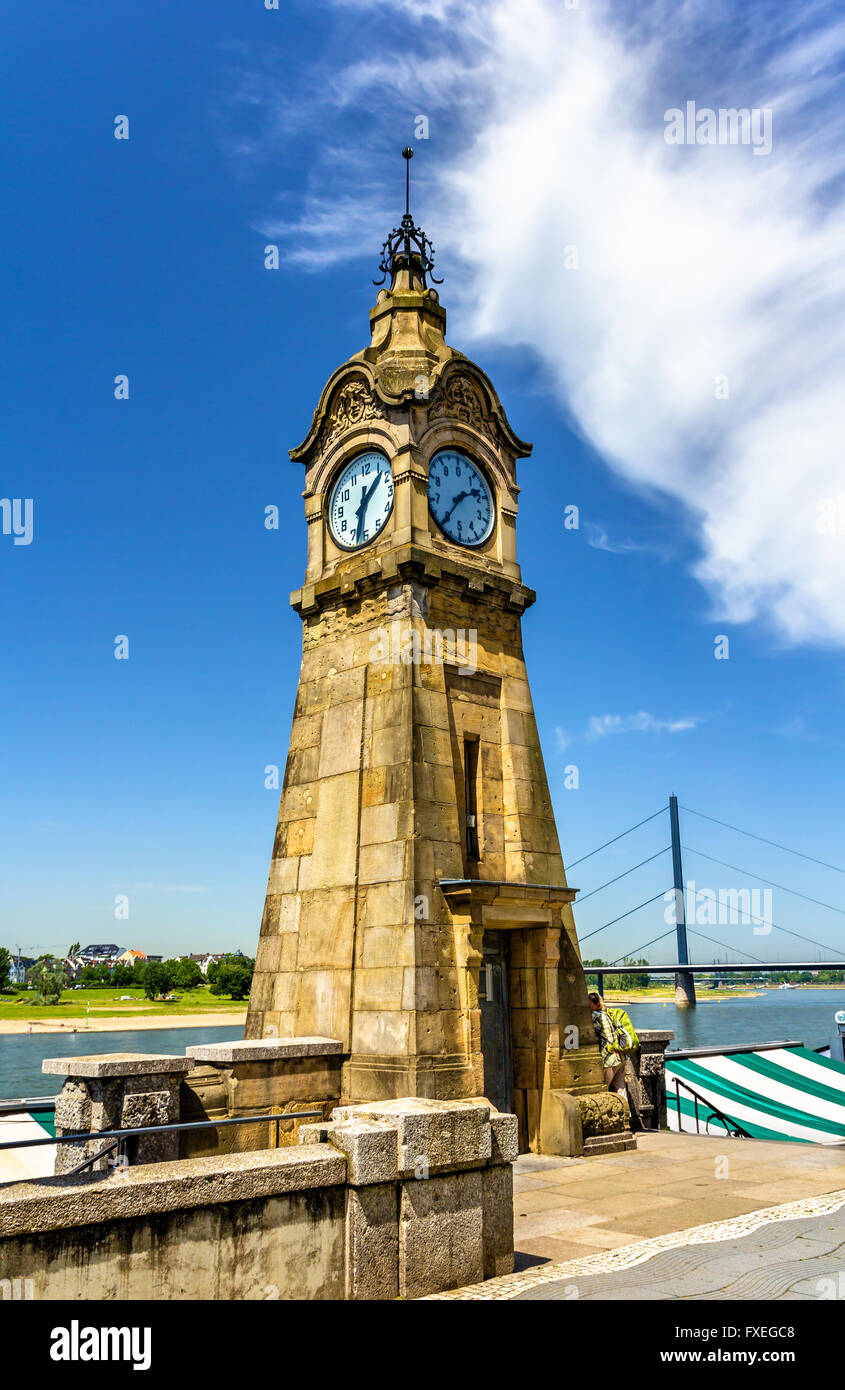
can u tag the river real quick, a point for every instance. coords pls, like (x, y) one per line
(21, 1054)
(773, 1015)
(788, 1015)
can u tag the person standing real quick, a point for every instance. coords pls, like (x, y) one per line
(612, 1057)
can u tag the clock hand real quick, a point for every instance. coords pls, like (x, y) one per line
(460, 497)
(365, 497)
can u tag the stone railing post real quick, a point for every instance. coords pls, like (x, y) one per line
(260, 1076)
(120, 1090)
(429, 1194)
(645, 1076)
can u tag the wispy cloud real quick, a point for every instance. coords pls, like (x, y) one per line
(797, 730)
(601, 725)
(170, 888)
(596, 537)
(699, 345)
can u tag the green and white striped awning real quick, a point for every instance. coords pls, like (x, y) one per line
(772, 1093)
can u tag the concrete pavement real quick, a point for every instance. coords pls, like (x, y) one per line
(683, 1217)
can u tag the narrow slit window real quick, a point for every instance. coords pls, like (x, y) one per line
(471, 796)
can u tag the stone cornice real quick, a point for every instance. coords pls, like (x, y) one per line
(486, 891)
(409, 564)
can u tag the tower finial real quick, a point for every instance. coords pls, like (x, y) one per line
(407, 246)
(407, 155)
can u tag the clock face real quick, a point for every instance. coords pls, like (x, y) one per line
(460, 498)
(361, 500)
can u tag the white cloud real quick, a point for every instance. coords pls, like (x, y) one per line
(695, 263)
(600, 725)
(597, 538)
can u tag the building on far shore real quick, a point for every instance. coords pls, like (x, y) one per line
(206, 958)
(131, 958)
(96, 954)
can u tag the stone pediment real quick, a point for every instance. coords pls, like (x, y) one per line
(349, 399)
(457, 390)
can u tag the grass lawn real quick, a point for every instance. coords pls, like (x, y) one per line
(106, 1002)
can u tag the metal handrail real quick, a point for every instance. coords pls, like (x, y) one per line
(32, 1105)
(95, 1158)
(733, 1128)
(95, 1134)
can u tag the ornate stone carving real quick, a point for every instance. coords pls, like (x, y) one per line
(602, 1113)
(461, 400)
(353, 404)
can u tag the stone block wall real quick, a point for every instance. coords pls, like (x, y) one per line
(645, 1077)
(396, 1200)
(261, 1077)
(213, 1081)
(119, 1090)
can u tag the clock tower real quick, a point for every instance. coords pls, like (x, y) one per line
(417, 907)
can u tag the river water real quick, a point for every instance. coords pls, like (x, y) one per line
(772, 1015)
(21, 1054)
(788, 1015)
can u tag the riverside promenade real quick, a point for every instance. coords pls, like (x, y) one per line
(682, 1218)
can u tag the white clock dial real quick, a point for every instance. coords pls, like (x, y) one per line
(361, 500)
(460, 498)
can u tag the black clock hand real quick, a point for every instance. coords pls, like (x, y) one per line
(460, 497)
(365, 497)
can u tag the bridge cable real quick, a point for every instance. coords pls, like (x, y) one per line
(627, 914)
(640, 968)
(764, 922)
(593, 891)
(782, 887)
(615, 838)
(714, 942)
(764, 841)
(809, 939)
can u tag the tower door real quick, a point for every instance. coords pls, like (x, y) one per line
(495, 1021)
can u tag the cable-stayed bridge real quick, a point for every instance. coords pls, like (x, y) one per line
(733, 900)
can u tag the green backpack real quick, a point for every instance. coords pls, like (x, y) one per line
(626, 1033)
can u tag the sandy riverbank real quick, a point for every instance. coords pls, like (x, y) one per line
(124, 1022)
(710, 997)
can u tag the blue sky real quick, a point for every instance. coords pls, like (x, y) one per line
(146, 257)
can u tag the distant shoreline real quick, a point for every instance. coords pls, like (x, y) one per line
(709, 997)
(712, 996)
(123, 1023)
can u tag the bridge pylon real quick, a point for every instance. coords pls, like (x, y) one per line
(684, 980)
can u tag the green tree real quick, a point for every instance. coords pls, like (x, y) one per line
(157, 978)
(232, 975)
(49, 979)
(74, 949)
(186, 974)
(5, 966)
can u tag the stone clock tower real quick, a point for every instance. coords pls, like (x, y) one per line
(417, 908)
